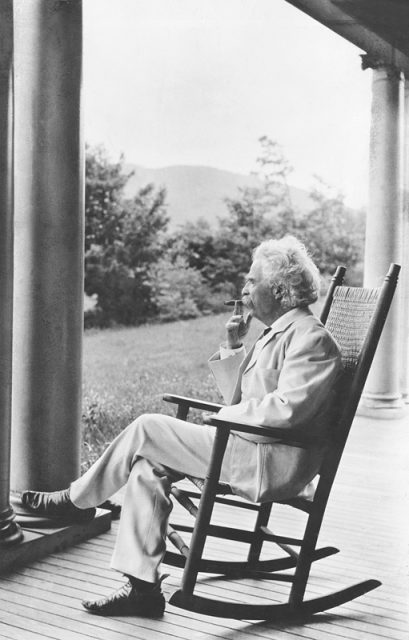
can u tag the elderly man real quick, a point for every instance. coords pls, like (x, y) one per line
(285, 380)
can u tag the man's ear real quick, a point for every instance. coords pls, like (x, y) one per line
(277, 291)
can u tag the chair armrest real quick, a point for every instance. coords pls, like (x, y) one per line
(192, 402)
(291, 437)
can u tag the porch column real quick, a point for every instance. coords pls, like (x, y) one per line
(405, 254)
(9, 531)
(49, 245)
(382, 396)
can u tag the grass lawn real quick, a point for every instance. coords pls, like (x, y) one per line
(127, 370)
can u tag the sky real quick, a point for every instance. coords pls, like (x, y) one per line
(176, 82)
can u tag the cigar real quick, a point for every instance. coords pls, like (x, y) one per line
(237, 304)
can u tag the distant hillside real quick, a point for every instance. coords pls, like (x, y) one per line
(194, 192)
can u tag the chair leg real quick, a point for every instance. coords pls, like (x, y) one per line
(263, 517)
(204, 513)
(305, 559)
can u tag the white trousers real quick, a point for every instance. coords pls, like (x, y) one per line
(151, 453)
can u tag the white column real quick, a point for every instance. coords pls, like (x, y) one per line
(49, 244)
(405, 255)
(382, 396)
(9, 531)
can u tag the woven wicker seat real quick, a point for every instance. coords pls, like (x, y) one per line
(355, 317)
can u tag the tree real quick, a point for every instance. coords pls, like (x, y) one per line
(272, 196)
(333, 233)
(177, 290)
(259, 212)
(196, 242)
(104, 185)
(123, 238)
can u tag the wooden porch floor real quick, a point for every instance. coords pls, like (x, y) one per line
(367, 518)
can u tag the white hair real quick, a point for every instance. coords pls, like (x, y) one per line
(287, 265)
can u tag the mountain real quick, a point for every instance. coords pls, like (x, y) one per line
(198, 192)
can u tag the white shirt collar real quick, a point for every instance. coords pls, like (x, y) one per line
(284, 321)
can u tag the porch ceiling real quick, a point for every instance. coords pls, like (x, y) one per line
(379, 27)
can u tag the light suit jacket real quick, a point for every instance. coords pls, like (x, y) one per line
(285, 380)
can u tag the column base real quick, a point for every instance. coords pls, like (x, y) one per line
(10, 532)
(382, 406)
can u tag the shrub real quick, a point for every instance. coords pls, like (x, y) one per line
(177, 290)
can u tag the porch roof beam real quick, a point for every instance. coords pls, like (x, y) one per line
(335, 18)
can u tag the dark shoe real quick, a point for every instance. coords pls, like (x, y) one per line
(113, 507)
(56, 504)
(129, 601)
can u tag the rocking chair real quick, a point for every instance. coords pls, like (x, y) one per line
(355, 317)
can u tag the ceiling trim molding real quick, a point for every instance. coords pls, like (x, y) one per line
(331, 16)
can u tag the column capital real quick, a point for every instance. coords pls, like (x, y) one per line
(370, 61)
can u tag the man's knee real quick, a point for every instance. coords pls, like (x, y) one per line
(147, 424)
(146, 419)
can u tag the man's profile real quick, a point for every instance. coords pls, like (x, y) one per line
(285, 380)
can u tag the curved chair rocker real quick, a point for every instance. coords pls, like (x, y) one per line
(355, 316)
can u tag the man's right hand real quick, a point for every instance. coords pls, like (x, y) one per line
(237, 328)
